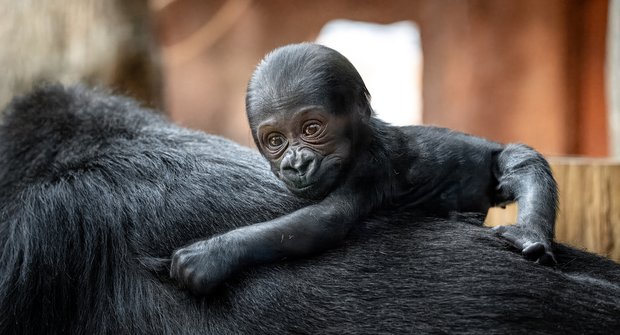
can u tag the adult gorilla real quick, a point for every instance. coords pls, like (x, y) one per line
(93, 189)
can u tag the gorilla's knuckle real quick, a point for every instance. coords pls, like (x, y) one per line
(197, 278)
(188, 272)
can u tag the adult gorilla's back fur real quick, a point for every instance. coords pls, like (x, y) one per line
(94, 188)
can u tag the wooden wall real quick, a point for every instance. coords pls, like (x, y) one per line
(528, 71)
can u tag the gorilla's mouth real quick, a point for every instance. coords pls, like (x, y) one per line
(310, 190)
(315, 184)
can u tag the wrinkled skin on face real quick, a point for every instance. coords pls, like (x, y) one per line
(308, 149)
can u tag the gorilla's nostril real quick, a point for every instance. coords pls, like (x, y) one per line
(302, 166)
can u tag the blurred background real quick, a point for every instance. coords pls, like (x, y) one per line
(528, 70)
(545, 73)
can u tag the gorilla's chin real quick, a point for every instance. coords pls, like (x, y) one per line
(310, 192)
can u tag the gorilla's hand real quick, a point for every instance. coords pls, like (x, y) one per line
(204, 265)
(532, 247)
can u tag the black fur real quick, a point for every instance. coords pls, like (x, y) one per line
(311, 118)
(93, 189)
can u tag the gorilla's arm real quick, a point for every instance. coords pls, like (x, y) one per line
(524, 176)
(91, 186)
(488, 174)
(204, 265)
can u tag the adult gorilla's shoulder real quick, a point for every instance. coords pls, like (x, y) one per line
(92, 185)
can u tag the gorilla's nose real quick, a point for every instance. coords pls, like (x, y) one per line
(297, 163)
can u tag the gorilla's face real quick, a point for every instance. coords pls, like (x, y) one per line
(308, 148)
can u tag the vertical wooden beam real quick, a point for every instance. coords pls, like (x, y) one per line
(588, 38)
(613, 77)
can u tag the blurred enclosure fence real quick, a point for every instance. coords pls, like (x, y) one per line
(96, 42)
(589, 215)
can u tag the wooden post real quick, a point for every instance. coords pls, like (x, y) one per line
(613, 76)
(589, 215)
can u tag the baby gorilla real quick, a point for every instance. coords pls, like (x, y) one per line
(310, 116)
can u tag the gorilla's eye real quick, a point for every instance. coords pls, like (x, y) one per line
(311, 128)
(275, 140)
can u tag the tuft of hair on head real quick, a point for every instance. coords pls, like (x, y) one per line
(307, 73)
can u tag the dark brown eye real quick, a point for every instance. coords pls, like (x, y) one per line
(275, 140)
(311, 129)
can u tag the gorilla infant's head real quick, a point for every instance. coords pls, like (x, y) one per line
(307, 106)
